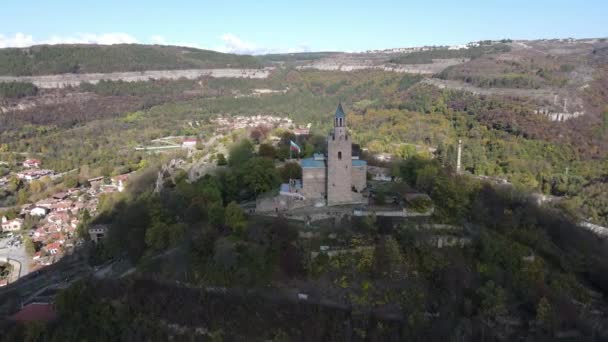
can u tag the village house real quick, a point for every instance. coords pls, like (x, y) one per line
(189, 143)
(382, 174)
(53, 248)
(383, 157)
(62, 206)
(60, 195)
(97, 181)
(39, 211)
(32, 163)
(40, 233)
(301, 131)
(58, 218)
(29, 175)
(46, 203)
(120, 181)
(11, 225)
(98, 232)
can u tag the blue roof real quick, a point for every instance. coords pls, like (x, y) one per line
(340, 111)
(309, 163)
(359, 162)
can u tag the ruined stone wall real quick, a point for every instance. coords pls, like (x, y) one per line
(313, 182)
(359, 176)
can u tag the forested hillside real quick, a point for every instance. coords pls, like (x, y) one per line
(58, 59)
(203, 267)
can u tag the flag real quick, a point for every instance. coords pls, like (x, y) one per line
(294, 147)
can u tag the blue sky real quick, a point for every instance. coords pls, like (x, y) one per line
(263, 26)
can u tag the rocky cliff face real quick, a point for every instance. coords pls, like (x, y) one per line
(67, 80)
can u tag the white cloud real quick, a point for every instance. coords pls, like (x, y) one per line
(234, 44)
(19, 40)
(230, 43)
(158, 39)
(24, 40)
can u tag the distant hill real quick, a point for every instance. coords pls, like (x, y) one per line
(59, 59)
(295, 57)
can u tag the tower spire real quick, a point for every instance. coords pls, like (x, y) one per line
(339, 116)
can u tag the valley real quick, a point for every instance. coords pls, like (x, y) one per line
(480, 212)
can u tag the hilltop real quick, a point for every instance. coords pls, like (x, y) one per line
(60, 59)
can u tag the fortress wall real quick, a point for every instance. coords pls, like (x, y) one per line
(313, 182)
(359, 175)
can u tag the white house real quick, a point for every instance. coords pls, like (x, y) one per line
(39, 211)
(11, 225)
(189, 143)
(29, 163)
(380, 173)
(120, 181)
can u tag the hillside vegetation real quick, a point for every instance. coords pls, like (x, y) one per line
(58, 59)
(426, 57)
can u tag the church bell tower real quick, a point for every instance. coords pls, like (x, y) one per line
(339, 161)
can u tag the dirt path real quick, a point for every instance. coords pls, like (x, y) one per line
(543, 94)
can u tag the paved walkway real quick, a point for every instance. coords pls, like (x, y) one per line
(19, 257)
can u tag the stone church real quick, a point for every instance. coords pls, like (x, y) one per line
(339, 177)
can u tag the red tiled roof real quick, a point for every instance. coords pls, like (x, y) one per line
(51, 246)
(35, 312)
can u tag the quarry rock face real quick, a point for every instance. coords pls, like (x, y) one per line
(67, 80)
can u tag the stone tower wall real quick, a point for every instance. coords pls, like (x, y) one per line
(339, 173)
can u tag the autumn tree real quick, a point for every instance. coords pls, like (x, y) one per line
(234, 217)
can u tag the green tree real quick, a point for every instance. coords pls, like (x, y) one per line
(234, 217)
(221, 159)
(261, 175)
(544, 313)
(493, 300)
(240, 153)
(387, 259)
(22, 197)
(36, 186)
(157, 235)
(309, 150)
(268, 151)
(289, 171)
(215, 214)
(29, 245)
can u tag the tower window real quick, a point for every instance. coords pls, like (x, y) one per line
(340, 155)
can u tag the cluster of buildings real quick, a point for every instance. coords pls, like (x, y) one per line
(59, 219)
(59, 216)
(31, 174)
(229, 123)
(31, 170)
